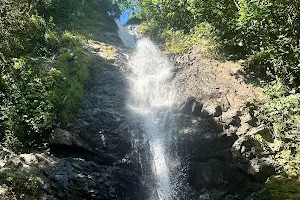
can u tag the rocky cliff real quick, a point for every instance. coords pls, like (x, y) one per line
(92, 157)
(218, 134)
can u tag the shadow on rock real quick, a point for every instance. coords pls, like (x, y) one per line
(224, 163)
(93, 156)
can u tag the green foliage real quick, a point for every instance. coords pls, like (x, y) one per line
(282, 187)
(179, 42)
(170, 14)
(22, 185)
(266, 32)
(43, 71)
(281, 112)
(269, 33)
(69, 75)
(26, 109)
(68, 13)
(20, 27)
(37, 96)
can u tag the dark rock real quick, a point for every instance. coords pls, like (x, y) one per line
(249, 119)
(218, 180)
(249, 152)
(191, 107)
(243, 129)
(264, 132)
(246, 147)
(93, 182)
(211, 111)
(230, 197)
(231, 117)
(134, 21)
(262, 168)
(65, 138)
(235, 121)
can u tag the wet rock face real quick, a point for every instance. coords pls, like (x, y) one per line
(226, 160)
(95, 159)
(70, 177)
(191, 106)
(80, 179)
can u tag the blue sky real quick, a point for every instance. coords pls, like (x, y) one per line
(125, 15)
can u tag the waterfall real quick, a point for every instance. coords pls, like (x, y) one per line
(150, 103)
(151, 100)
(126, 37)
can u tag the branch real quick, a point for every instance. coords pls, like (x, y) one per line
(237, 5)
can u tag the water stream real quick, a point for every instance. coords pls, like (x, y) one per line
(150, 103)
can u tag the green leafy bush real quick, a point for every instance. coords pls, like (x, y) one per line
(265, 32)
(26, 109)
(43, 74)
(281, 112)
(22, 185)
(269, 33)
(68, 77)
(20, 27)
(282, 187)
(180, 42)
(38, 96)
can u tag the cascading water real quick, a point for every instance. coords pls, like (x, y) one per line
(126, 37)
(152, 98)
(150, 105)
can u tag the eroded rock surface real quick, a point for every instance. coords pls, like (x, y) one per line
(221, 144)
(95, 159)
(92, 157)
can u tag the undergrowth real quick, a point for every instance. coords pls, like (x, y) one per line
(280, 111)
(282, 187)
(21, 185)
(43, 66)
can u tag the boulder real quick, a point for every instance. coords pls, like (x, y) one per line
(262, 168)
(264, 132)
(249, 119)
(217, 180)
(231, 117)
(191, 107)
(73, 178)
(246, 147)
(211, 111)
(243, 129)
(29, 159)
(249, 153)
(62, 137)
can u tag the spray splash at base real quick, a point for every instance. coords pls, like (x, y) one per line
(151, 101)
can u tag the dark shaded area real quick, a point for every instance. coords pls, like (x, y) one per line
(220, 162)
(63, 151)
(134, 21)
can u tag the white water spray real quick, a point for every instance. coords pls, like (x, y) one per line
(126, 37)
(150, 103)
(152, 98)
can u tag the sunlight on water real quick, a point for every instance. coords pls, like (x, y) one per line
(127, 38)
(152, 98)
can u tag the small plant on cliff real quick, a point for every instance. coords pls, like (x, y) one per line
(282, 187)
(21, 185)
(281, 112)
